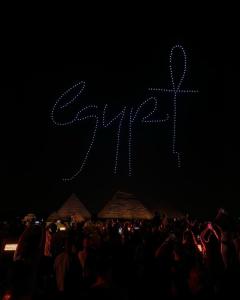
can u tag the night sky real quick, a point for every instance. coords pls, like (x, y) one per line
(37, 154)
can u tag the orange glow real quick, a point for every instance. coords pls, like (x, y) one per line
(199, 247)
(62, 228)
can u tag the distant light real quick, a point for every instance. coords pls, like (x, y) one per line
(10, 247)
(62, 228)
(199, 247)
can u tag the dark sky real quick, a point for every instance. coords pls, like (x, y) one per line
(37, 154)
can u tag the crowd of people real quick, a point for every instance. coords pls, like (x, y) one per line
(173, 257)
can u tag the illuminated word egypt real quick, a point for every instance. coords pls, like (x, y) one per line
(130, 115)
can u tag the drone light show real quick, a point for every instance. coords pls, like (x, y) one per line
(147, 113)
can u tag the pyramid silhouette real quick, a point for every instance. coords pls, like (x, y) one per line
(73, 206)
(125, 206)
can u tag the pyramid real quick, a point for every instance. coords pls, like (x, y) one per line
(125, 206)
(73, 207)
